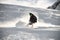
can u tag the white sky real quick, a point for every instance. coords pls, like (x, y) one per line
(30, 3)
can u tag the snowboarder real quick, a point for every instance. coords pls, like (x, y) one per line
(33, 19)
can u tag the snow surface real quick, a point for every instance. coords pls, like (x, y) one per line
(30, 3)
(24, 36)
(18, 16)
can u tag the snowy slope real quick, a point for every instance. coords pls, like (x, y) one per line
(30, 3)
(28, 34)
(15, 16)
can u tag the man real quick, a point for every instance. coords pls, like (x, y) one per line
(33, 19)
